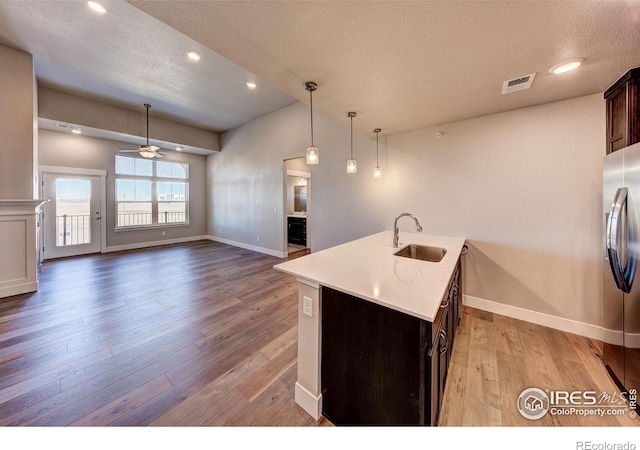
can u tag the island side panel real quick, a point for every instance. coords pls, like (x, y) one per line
(307, 389)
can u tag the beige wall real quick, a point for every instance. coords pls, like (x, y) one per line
(246, 184)
(18, 149)
(524, 187)
(68, 150)
(89, 114)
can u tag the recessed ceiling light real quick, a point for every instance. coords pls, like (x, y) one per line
(97, 7)
(193, 56)
(251, 85)
(567, 66)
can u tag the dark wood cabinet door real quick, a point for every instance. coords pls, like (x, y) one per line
(623, 115)
(372, 366)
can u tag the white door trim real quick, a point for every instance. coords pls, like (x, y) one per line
(103, 193)
(72, 170)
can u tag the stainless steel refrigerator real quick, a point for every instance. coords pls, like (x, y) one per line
(621, 287)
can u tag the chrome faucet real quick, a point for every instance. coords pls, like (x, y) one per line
(395, 228)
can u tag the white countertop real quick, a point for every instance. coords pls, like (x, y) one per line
(367, 268)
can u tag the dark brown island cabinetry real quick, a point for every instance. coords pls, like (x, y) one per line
(380, 366)
(623, 111)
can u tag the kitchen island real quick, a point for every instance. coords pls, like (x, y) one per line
(367, 269)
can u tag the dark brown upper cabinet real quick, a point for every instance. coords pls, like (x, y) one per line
(623, 118)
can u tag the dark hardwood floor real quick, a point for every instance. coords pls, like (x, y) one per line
(195, 334)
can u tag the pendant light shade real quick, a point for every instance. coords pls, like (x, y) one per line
(352, 166)
(377, 172)
(313, 157)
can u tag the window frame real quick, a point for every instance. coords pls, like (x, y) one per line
(154, 179)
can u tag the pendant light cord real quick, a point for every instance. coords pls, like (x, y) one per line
(377, 163)
(311, 103)
(351, 137)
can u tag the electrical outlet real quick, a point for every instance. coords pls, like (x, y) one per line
(307, 309)
(164, 233)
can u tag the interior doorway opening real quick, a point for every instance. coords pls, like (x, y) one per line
(297, 205)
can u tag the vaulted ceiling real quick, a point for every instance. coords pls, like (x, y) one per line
(399, 65)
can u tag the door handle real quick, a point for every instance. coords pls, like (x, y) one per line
(615, 224)
(443, 337)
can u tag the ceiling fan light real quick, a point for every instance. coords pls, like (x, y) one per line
(312, 155)
(146, 153)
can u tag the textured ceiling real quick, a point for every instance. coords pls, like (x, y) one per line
(406, 65)
(127, 58)
(399, 65)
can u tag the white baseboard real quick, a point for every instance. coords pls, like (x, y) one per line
(137, 245)
(547, 320)
(309, 402)
(254, 248)
(9, 289)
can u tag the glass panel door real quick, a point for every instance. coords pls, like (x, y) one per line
(72, 217)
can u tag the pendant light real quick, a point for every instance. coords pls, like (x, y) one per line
(312, 151)
(377, 172)
(352, 166)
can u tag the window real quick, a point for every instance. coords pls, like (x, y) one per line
(151, 192)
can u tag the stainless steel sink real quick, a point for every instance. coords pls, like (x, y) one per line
(422, 252)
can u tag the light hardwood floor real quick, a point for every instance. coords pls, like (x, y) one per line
(204, 334)
(495, 358)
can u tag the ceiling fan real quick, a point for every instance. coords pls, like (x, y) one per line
(148, 151)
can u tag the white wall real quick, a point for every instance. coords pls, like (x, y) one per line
(77, 151)
(524, 187)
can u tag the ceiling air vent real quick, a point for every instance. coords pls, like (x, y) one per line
(518, 84)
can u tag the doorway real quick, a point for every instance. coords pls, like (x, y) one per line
(297, 205)
(72, 223)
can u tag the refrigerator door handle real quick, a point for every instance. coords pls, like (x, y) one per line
(615, 231)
